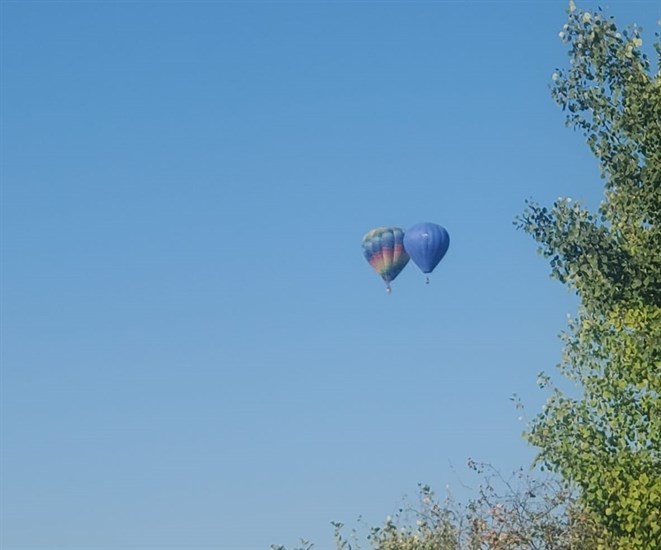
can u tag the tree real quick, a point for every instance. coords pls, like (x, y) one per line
(607, 440)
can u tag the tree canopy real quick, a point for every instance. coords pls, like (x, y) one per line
(608, 440)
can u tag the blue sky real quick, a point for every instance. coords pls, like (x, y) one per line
(195, 353)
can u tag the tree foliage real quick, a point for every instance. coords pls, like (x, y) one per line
(608, 440)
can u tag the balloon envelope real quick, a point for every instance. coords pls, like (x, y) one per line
(383, 248)
(426, 244)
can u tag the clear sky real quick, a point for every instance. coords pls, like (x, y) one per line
(194, 352)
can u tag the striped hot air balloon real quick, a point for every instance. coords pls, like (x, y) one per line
(383, 248)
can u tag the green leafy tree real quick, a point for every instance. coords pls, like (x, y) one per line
(608, 439)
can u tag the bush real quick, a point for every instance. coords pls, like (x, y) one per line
(524, 511)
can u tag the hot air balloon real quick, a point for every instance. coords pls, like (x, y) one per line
(384, 250)
(426, 244)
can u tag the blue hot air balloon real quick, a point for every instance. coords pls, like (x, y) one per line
(426, 244)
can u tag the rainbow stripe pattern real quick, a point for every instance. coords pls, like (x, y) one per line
(383, 248)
